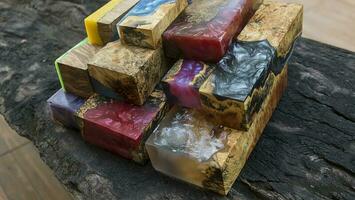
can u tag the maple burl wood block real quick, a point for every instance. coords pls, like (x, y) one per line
(132, 72)
(144, 25)
(206, 28)
(189, 147)
(120, 127)
(278, 23)
(183, 80)
(234, 92)
(63, 106)
(101, 25)
(72, 69)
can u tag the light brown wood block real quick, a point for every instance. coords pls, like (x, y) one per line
(132, 72)
(101, 25)
(73, 71)
(278, 23)
(144, 25)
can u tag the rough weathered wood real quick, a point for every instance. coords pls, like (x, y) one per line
(73, 71)
(306, 151)
(132, 72)
(101, 25)
(144, 25)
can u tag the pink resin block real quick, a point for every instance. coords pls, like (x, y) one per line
(206, 28)
(181, 84)
(120, 127)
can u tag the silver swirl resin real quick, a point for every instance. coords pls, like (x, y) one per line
(245, 65)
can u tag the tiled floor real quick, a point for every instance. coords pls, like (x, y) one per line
(24, 176)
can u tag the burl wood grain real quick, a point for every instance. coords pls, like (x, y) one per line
(73, 69)
(107, 24)
(242, 143)
(132, 72)
(146, 30)
(279, 23)
(101, 25)
(231, 112)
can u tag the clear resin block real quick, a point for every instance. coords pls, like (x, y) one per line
(120, 127)
(63, 107)
(190, 147)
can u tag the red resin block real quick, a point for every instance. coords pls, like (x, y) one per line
(206, 28)
(183, 81)
(120, 127)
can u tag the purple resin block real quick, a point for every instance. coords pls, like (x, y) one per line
(181, 84)
(63, 105)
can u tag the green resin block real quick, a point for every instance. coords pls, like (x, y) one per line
(72, 69)
(188, 146)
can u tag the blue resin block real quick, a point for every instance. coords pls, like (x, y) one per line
(144, 25)
(63, 106)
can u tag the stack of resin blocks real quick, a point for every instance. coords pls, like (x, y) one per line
(189, 85)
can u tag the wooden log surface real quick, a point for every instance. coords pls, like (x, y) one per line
(306, 151)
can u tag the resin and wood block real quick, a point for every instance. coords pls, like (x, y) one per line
(278, 23)
(144, 25)
(206, 28)
(101, 25)
(236, 89)
(120, 127)
(183, 80)
(132, 72)
(72, 69)
(189, 147)
(63, 106)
